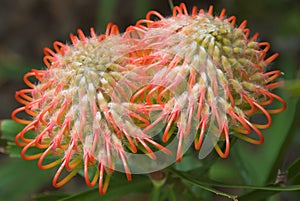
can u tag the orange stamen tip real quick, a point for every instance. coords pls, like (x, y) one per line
(194, 10)
(271, 58)
(222, 14)
(210, 10)
(128, 175)
(179, 159)
(81, 35)
(112, 29)
(243, 24)
(232, 20)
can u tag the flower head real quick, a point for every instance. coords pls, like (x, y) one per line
(190, 78)
(77, 110)
(209, 75)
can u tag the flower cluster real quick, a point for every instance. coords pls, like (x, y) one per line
(136, 101)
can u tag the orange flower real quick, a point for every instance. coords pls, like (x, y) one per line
(209, 76)
(77, 110)
(193, 78)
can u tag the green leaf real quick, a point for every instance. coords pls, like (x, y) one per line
(119, 187)
(294, 170)
(189, 162)
(10, 129)
(53, 196)
(17, 181)
(202, 185)
(293, 87)
(257, 195)
(13, 150)
(263, 191)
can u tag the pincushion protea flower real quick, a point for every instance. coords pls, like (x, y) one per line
(197, 77)
(209, 76)
(77, 113)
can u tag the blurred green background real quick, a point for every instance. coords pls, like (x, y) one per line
(26, 27)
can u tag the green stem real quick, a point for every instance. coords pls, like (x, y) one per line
(158, 180)
(171, 4)
(172, 195)
(203, 186)
(155, 193)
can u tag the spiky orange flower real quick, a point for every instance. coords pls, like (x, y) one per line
(78, 113)
(197, 78)
(209, 76)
